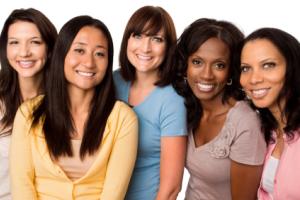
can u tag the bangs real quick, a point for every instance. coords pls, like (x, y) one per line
(148, 26)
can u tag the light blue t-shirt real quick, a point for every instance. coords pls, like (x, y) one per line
(162, 113)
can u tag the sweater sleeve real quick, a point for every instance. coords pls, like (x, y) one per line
(21, 165)
(123, 156)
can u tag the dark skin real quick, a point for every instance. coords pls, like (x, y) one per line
(244, 179)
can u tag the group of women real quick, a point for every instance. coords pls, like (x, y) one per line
(222, 105)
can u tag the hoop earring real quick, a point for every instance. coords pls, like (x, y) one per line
(229, 82)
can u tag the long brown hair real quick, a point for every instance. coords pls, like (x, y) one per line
(10, 94)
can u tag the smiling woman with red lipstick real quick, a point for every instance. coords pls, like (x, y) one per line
(26, 43)
(270, 71)
(225, 146)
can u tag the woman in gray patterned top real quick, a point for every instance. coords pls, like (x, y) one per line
(226, 147)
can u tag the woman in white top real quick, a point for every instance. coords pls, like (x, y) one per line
(26, 44)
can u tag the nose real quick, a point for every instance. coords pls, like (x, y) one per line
(89, 60)
(256, 77)
(146, 44)
(24, 50)
(207, 72)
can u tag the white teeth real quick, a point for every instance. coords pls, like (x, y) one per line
(259, 93)
(144, 57)
(205, 87)
(86, 74)
(26, 63)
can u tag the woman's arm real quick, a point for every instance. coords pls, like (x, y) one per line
(21, 165)
(173, 151)
(245, 180)
(121, 160)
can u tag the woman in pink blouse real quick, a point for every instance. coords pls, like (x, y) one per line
(270, 70)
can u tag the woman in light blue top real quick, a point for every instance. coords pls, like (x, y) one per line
(143, 82)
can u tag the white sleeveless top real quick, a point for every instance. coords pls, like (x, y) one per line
(269, 175)
(4, 161)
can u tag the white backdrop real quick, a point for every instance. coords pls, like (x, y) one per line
(247, 15)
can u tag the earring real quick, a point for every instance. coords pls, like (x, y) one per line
(246, 95)
(229, 82)
(185, 80)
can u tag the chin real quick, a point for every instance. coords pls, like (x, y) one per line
(261, 104)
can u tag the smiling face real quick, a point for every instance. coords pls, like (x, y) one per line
(207, 70)
(263, 70)
(146, 52)
(87, 59)
(26, 50)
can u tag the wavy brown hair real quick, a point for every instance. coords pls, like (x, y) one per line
(10, 94)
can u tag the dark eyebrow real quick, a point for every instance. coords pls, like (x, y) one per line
(84, 44)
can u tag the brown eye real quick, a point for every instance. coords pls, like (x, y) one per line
(269, 65)
(196, 62)
(78, 50)
(220, 66)
(244, 68)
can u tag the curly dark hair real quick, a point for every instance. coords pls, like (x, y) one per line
(189, 42)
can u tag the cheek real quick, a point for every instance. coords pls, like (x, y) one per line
(42, 53)
(161, 51)
(244, 80)
(191, 75)
(70, 61)
(11, 53)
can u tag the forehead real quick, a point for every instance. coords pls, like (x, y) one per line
(150, 27)
(260, 49)
(92, 36)
(23, 28)
(213, 47)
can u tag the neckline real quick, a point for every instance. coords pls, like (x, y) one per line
(197, 148)
(145, 100)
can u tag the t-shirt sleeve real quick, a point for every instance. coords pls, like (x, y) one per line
(248, 145)
(173, 116)
(120, 86)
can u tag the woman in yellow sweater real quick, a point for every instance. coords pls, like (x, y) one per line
(77, 141)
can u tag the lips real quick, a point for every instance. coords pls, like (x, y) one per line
(85, 74)
(26, 63)
(143, 57)
(259, 93)
(205, 87)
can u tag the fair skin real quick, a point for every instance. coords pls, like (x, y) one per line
(207, 75)
(27, 54)
(85, 66)
(263, 75)
(146, 53)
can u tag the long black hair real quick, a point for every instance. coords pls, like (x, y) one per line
(189, 42)
(55, 106)
(10, 94)
(289, 47)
